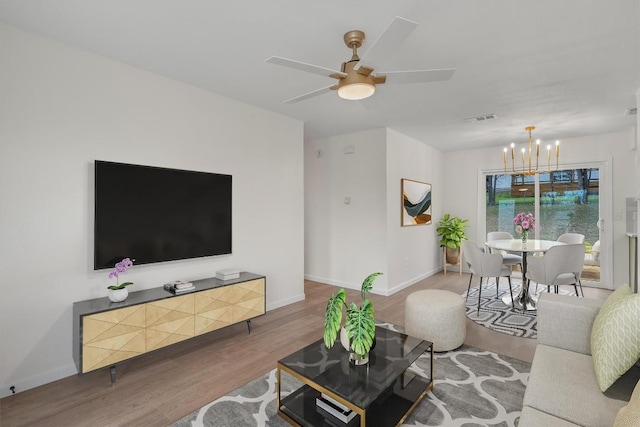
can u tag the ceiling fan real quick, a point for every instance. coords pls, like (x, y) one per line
(355, 79)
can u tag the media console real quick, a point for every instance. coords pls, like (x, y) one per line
(105, 333)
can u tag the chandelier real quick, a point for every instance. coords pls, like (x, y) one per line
(528, 168)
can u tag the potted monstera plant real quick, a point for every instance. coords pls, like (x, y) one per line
(359, 326)
(451, 232)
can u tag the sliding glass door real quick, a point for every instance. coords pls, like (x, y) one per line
(563, 201)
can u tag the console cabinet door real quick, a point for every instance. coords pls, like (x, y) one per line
(220, 307)
(214, 309)
(169, 321)
(112, 336)
(248, 300)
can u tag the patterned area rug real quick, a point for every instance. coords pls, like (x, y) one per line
(471, 388)
(495, 315)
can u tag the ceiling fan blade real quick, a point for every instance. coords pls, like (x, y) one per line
(309, 95)
(303, 66)
(418, 76)
(391, 37)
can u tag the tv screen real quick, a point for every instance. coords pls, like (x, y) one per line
(152, 214)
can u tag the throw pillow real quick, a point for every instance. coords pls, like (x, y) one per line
(615, 336)
(629, 415)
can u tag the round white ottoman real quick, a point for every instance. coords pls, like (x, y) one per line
(437, 316)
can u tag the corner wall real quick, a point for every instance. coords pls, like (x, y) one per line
(413, 252)
(346, 242)
(63, 108)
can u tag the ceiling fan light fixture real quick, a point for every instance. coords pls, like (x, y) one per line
(356, 91)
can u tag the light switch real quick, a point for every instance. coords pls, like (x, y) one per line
(347, 200)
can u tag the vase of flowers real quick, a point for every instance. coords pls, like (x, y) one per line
(524, 222)
(119, 292)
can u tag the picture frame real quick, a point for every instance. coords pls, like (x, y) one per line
(415, 202)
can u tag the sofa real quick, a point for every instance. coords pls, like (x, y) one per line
(563, 389)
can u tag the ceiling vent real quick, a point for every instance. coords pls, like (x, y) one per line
(631, 111)
(482, 118)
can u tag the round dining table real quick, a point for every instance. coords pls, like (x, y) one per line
(524, 300)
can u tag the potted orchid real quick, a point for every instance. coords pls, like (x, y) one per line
(524, 222)
(119, 292)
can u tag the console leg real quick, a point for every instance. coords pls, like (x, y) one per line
(112, 372)
(249, 325)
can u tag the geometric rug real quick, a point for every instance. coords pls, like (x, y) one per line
(495, 315)
(471, 388)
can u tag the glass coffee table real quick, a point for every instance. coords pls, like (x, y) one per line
(336, 393)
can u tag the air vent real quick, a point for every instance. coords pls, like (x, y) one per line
(482, 118)
(631, 111)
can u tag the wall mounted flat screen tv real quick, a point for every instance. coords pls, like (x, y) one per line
(153, 214)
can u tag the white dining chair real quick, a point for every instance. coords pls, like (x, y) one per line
(593, 256)
(508, 258)
(571, 238)
(484, 265)
(560, 265)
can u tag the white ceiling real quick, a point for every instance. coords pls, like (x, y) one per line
(569, 67)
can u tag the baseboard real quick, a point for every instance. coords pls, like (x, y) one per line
(38, 380)
(281, 303)
(385, 293)
(340, 284)
(413, 281)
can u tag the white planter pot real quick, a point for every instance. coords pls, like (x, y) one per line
(118, 295)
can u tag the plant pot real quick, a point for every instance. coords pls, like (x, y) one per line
(344, 339)
(358, 360)
(118, 295)
(452, 255)
(353, 357)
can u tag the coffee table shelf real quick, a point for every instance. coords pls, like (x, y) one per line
(381, 393)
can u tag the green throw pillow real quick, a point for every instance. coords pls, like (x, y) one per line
(615, 337)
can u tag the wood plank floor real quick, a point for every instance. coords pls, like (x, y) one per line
(159, 388)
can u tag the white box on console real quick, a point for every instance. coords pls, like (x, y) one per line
(228, 274)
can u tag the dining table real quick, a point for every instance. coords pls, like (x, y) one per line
(524, 301)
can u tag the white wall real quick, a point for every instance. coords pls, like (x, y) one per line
(413, 252)
(463, 197)
(61, 109)
(346, 242)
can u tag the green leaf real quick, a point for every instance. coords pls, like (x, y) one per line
(361, 327)
(122, 286)
(333, 317)
(367, 285)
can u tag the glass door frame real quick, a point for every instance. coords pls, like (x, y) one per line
(605, 207)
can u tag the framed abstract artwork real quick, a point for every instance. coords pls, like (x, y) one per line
(416, 202)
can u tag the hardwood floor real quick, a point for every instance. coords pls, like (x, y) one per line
(159, 388)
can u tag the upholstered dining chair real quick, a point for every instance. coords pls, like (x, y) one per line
(508, 258)
(571, 238)
(560, 265)
(484, 265)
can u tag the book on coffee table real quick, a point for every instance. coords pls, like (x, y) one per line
(335, 408)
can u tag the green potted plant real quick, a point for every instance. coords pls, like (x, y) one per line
(451, 232)
(359, 322)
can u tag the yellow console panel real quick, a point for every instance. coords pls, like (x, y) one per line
(112, 336)
(169, 321)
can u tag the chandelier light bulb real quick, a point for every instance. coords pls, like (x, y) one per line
(527, 155)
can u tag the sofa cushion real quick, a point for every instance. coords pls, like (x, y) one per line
(629, 416)
(563, 383)
(615, 337)
(531, 417)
